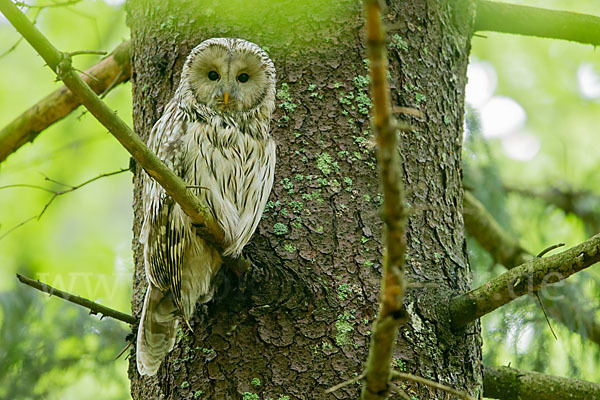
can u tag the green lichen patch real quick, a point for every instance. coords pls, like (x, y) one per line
(344, 325)
(398, 43)
(343, 291)
(280, 229)
(326, 165)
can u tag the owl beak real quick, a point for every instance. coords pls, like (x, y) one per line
(226, 98)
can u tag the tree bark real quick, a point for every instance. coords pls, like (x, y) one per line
(300, 320)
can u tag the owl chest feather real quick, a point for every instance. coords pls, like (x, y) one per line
(234, 174)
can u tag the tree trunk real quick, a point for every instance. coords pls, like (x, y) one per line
(300, 320)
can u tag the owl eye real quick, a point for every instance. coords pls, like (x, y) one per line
(243, 78)
(213, 75)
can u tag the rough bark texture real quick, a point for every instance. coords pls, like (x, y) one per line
(300, 321)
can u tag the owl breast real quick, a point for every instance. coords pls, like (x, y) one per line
(232, 169)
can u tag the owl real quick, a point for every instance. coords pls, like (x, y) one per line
(214, 134)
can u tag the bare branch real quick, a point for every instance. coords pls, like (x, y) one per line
(533, 21)
(433, 384)
(508, 383)
(524, 279)
(114, 69)
(55, 194)
(391, 313)
(61, 64)
(94, 307)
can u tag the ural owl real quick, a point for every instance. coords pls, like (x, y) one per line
(214, 134)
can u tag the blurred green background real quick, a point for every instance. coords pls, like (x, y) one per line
(534, 108)
(82, 244)
(534, 122)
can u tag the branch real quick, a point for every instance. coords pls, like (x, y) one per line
(540, 22)
(102, 77)
(61, 64)
(584, 204)
(55, 194)
(524, 279)
(94, 308)
(505, 250)
(58, 4)
(433, 384)
(391, 313)
(508, 383)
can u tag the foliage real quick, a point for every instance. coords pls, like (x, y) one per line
(51, 349)
(542, 76)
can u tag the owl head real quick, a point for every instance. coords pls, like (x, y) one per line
(228, 76)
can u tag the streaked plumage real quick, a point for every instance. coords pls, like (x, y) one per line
(214, 133)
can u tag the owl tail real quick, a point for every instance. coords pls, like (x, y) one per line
(157, 331)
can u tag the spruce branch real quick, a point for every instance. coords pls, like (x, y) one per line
(584, 204)
(480, 224)
(506, 250)
(506, 383)
(94, 307)
(524, 279)
(532, 21)
(394, 214)
(61, 64)
(107, 74)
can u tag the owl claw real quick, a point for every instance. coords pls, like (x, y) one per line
(188, 324)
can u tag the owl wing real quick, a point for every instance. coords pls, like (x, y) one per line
(164, 232)
(257, 170)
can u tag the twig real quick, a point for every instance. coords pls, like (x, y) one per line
(87, 52)
(114, 69)
(394, 215)
(129, 343)
(433, 384)
(57, 4)
(94, 307)
(524, 279)
(537, 293)
(345, 383)
(399, 391)
(20, 39)
(532, 21)
(549, 249)
(55, 194)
